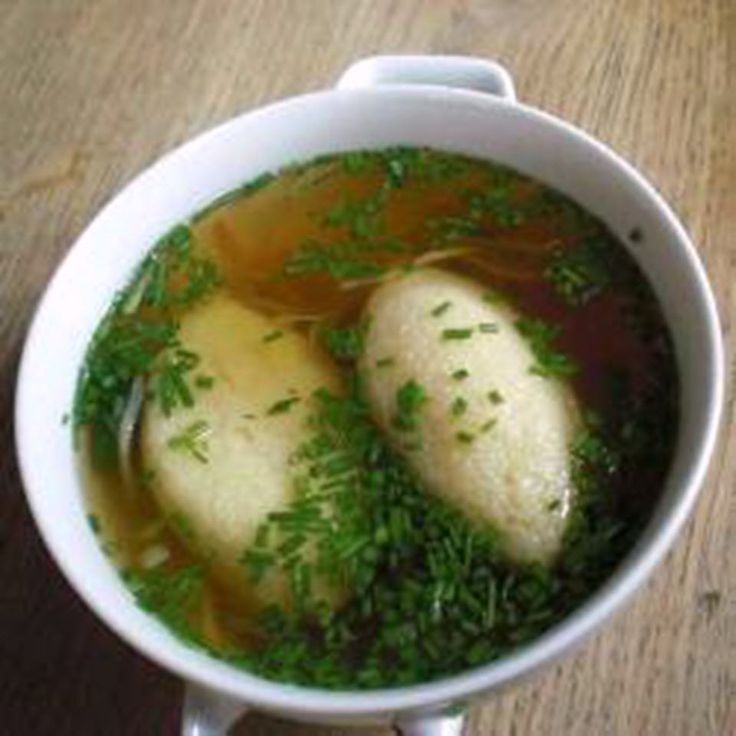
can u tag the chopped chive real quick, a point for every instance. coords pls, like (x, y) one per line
(495, 397)
(410, 398)
(460, 375)
(457, 333)
(492, 296)
(282, 406)
(204, 382)
(459, 406)
(193, 440)
(465, 437)
(541, 335)
(274, 335)
(488, 327)
(440, 309)
(487, 425)
(385, 362)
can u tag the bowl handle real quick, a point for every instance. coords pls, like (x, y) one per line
(435, 725)
(208, 713)
(464, 72)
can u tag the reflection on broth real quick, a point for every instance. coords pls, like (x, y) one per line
(376, 419)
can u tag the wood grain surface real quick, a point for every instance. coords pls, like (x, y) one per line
(94, 90)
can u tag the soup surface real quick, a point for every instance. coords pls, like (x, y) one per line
(363, 570)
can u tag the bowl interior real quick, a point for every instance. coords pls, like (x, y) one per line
(297, 129)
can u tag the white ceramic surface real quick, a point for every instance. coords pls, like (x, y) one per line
(387, 101)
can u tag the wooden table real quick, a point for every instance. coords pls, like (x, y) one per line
(93, 91)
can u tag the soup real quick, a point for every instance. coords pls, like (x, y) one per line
(376, 419)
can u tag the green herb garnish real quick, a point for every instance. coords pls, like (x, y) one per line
(460, 374)
(465, 437)
(488, 425)
(282, 406)
(126, 347)
(344, 343)
(170, 595)
(409, 400)
(541, 335)
(204, 382)
(192, 440)
(440, 309)
(495, 397)
(273, 335)
(457, 333)
(582, 272)
(459, 406)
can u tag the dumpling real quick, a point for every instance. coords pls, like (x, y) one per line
(486, 434)
(243, 430)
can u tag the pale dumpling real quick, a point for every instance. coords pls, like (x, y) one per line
(489, 436)
(245, 429)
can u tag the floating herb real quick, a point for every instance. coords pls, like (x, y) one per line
(273, 335)
(440, 309)
(581, 273)
(204, 382)
(409, 400)
(126, 347)
(541, 335)
(457, 333)
(345, 343)
(459, 406)
(488, 425)
(283, 406)
(171, 595)
(495, 397)
(192, 440)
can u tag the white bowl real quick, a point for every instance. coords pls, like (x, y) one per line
(451, 103)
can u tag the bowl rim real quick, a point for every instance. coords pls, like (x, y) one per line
(627, 577)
